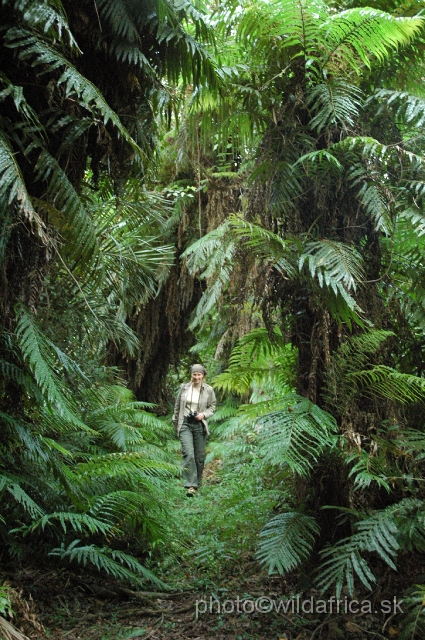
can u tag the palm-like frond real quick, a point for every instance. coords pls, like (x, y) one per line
(265, 244)
(185, 56)
(286, 541)
(357, 34)
(79, 522)
(407, 107)
(13, 485)
(369, 468)
(352, 355)
(212, 256)
(122, 421)
(348, 39)
(47, 17)
(67, 213)
(414, 613)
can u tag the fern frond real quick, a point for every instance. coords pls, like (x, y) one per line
(264, 243)
(213, 255)
(21, 432)
(386, 382)
(131, 466)
(80, 522)
(334, 103)
(286, 541)
(133, 512)
(382, 533)
(48, 16)
(413, 622)
(296, 435)
(343, 561)
(75, 84)
(13, 485)
(367, 469)
(357, 34)
(335, 264)
(35, 350)
(12, 187)
(116, 563)
(255, 358)
(68, 213)
(406, 106)
(351, 356)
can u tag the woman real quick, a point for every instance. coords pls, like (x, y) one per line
(194, 404)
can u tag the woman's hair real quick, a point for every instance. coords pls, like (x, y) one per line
(198, 368)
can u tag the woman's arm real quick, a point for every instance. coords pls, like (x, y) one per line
(175, 417)
(211, 402)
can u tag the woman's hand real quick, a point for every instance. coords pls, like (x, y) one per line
(200, 416)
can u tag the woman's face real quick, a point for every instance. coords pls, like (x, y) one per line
(197, 377)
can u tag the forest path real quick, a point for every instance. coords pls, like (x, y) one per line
(221, 596)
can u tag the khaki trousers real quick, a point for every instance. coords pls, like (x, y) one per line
(193, 441)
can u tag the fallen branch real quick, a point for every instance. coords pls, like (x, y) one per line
(149, 595)
(9, 632)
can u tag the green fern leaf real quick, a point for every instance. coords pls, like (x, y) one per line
(76, 85)
(296, 435)
(35, 350)
(115, 563)
(13, 485)
(286, 541)
(13, 187)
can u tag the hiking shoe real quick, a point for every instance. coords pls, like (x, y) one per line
(191, 491)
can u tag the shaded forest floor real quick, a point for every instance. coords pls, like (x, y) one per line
(218, 590)
(72, 606)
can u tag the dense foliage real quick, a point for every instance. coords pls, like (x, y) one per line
(250, 185)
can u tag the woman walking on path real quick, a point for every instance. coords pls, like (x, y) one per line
(195, 403)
